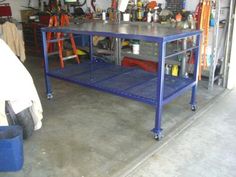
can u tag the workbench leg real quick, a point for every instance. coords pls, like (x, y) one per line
(46, 67)
(91, 56)
(195, 74)
(117, 51)
(184, 62)
(157, 130)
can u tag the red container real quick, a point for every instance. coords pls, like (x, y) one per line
(149, 66)
(5, 10)
(44, 19)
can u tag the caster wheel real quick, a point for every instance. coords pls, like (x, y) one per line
(158, 136)
(49, 96)
(194, 108)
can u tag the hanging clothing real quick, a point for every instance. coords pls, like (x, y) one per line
(14, 39)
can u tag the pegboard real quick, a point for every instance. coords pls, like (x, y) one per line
(175, 5)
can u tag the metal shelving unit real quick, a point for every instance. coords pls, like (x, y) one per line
(156, 89)
(217, 44)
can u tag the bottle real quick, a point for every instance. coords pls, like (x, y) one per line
(139, 10)
(167, 69)
(133, 15)
(139, 4)
(178, 17)
(155, 16)
(159, 8)
(104, 15)
(139, 14)
(149, 16)
(175, 70)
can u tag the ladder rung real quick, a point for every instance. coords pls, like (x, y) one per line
(56, 40)
(69, 57)
(53, 53)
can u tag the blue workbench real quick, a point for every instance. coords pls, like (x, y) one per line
(156, 89)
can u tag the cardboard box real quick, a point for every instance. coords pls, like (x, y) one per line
(25, 15)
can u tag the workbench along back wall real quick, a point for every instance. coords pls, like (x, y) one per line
(16, 5)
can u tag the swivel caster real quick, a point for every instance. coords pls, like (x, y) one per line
(49, 96)
(158, 136)
(194, 108)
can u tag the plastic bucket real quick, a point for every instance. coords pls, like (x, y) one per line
(11, 148)
(126, 17)
(136, 48)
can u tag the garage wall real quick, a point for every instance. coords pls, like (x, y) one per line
(16, 6)
(102, 4)
(232, 65)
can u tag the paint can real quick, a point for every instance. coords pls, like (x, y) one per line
(175, 70)
(104, 15)
(136, 48)
(126, 17)
(168, 69)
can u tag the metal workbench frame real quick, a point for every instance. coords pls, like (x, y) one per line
(158, 100)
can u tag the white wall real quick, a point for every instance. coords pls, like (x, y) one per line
(101, 4)
(16, 6)
(191, 5)
(232, 67)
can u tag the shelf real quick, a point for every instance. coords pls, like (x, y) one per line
(128, 53)
(128, 82)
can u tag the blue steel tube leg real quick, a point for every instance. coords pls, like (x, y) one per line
(195, 74)
(46, 67)
(91, 56)
(160, 90)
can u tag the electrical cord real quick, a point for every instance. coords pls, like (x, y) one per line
(29, 3)
(92, 5)
(2, 1)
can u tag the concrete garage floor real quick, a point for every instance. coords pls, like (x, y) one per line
(94, 134)
(206, 149)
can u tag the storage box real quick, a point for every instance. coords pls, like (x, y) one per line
(25, 15)
(44, 19)
(11, 148)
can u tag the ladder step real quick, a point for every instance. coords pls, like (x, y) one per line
(56, 40)
(53, 53)
(69, 57)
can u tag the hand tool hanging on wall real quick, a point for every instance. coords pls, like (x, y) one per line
(29, 3)
(82, 4)
(52, 4)
(93, 5)
(114, 4)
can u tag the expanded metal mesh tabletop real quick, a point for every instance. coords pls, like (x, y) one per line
(153, 30)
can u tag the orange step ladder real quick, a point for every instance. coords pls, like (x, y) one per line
(59, 39)
(203, 19)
